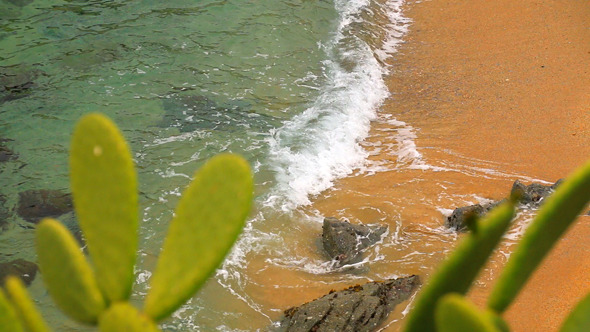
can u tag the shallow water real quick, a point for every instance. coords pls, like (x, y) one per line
(297, 87)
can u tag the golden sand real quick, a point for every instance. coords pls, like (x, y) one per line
(488, 86)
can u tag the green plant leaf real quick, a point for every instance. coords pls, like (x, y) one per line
(454, 313)
(8, 319)
(458, 271)
(579, 319)
(23, 305)
(104, 188)
(66, 273)
(209, 218)
(122, 316)
(553, 219)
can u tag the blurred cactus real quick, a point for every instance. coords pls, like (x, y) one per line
(455, 313)
(460, 269)
(23, 308)
(8, 318)
(207, 221)
(579, 319)
(441, 305)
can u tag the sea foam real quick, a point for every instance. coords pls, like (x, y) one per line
(323, 143)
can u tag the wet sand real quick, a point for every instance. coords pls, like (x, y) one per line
(493, 91)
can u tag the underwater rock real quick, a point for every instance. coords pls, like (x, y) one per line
(21, 268)
(533, 194)
(457, 220)
(34, 205)
(3, 212)
(8, 12)
(189, 112)
(355, 309)
(17, 82)
(6, 154)
(345, 242)
(19, 3)
(71, 222)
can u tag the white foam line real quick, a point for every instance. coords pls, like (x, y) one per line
(323, 143)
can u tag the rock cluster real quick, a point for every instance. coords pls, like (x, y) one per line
(357, 308)
(532, 195)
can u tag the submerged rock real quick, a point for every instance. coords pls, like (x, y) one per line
(71, 222)
(20, 3)
(6, 154)
(3, 212)
(190, 112)
(355, 309)
(457, 220)
(34, 205)
(533, 194)
(17, 82)
(21, 268)
(345, 242)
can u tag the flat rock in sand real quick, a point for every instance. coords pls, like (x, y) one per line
(355, 309)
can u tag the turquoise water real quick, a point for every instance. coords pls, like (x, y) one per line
(291, 85)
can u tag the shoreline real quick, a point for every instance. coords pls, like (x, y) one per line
(494, 91)
(516, 77)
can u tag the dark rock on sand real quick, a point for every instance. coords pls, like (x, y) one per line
(533, 194)
(457, 220)
(34, 205)
(355, 309)
(345, 242)
(20, 268)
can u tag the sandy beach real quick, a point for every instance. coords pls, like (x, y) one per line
(489, 87)
(513, 79)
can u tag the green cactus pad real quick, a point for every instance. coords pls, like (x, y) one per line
(122, 316)
(454, 313)
(8, 319)
(579, 319)
(23, 305)
(208, 219)
(104, 188)
(553, 219)
(458, 271)
(66, 273)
